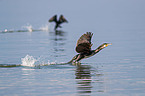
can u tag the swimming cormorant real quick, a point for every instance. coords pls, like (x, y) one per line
(83, 47)
(58, 22)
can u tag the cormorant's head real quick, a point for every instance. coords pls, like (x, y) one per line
(105, 45)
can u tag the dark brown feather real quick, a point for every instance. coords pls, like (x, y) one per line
(53, 19)
(62, 19)
(84, 43)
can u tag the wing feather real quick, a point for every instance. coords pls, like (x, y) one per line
(84, 43)
(62, 19)
(53, 19)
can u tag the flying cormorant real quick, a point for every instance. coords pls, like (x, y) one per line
(58, 22)
(83, 47)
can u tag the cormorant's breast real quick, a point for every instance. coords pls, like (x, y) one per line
(86, 53)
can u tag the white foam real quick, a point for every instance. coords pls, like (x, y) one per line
(31, 61)
(6, 30)
(28, 61)
(48, 63)
(28, 27)
(45, 28)
(51, 63)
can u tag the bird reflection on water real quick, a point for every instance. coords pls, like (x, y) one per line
(86, 80)
(58, 38)
(60, 32)
(83, 77)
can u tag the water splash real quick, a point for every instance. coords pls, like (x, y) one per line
(28, 27)
(51, 63)
(45, 28)
(31, 61)
(28, 61)
(42, 63)
(6, 30)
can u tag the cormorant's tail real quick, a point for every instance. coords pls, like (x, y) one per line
(73, 59)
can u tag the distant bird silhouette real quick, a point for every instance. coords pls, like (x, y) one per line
(58, 22)
(83, 47)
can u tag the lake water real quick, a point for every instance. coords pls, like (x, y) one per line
(32, 53)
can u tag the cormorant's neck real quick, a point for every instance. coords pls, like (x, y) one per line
(99, 49)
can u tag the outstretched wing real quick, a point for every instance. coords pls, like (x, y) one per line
(53, 19)
(62, 19)
(84, 43)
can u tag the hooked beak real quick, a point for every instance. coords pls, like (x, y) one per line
(109, 44)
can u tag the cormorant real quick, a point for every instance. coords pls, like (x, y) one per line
(58, 22)
(83, 47)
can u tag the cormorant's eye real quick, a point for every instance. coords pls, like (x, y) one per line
(104, 46)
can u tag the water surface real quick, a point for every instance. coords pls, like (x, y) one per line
(39, 53)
